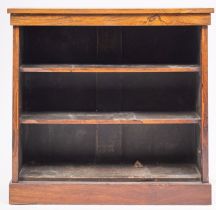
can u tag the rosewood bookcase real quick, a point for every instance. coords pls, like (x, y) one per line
(110, 106)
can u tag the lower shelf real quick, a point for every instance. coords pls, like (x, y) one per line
(110, 193)
(102, 172)
(110, 118)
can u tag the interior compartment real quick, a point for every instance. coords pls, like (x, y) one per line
(107, 92)
(110, 45)
(108, 143)
(86, 152)
(108, 152)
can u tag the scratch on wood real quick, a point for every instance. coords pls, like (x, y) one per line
(153, 18)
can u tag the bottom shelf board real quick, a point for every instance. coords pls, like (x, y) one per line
(117, 172)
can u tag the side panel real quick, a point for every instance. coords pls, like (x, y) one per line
(16, 105)
(204, 104)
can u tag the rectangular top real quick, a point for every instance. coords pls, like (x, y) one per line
(111, 17)
(111, 11)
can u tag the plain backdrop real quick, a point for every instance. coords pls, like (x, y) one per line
(6, 88)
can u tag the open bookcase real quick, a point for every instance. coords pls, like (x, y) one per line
(105, 107)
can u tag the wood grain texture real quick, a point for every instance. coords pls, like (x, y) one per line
(110, 68)
(109, 193)
(16, 105)
(109, 118)
(110, 172)
(204, 103)
(110, 11)
(110, 20)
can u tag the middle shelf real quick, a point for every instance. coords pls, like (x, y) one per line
(110, 118)
(108, 68)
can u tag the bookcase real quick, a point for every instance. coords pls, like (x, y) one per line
(110, 106)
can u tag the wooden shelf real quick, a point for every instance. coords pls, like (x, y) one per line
(118, 172)
(109, 118)
(109, 68)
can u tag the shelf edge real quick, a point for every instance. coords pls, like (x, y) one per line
(104, 68)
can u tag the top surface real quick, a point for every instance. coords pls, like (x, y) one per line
(111, 11)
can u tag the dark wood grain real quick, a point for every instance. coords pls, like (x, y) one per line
(110, 193)
(111, 45)
(16, 157)
(108, 144)
(110, 68)
(113, 92)
(108, 172)
(109, 118)
(204, 104)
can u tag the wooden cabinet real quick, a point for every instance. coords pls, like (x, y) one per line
(110, 106)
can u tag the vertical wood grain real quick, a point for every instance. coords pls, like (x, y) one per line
(16, 105)
(204, 103)
(108, 147)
